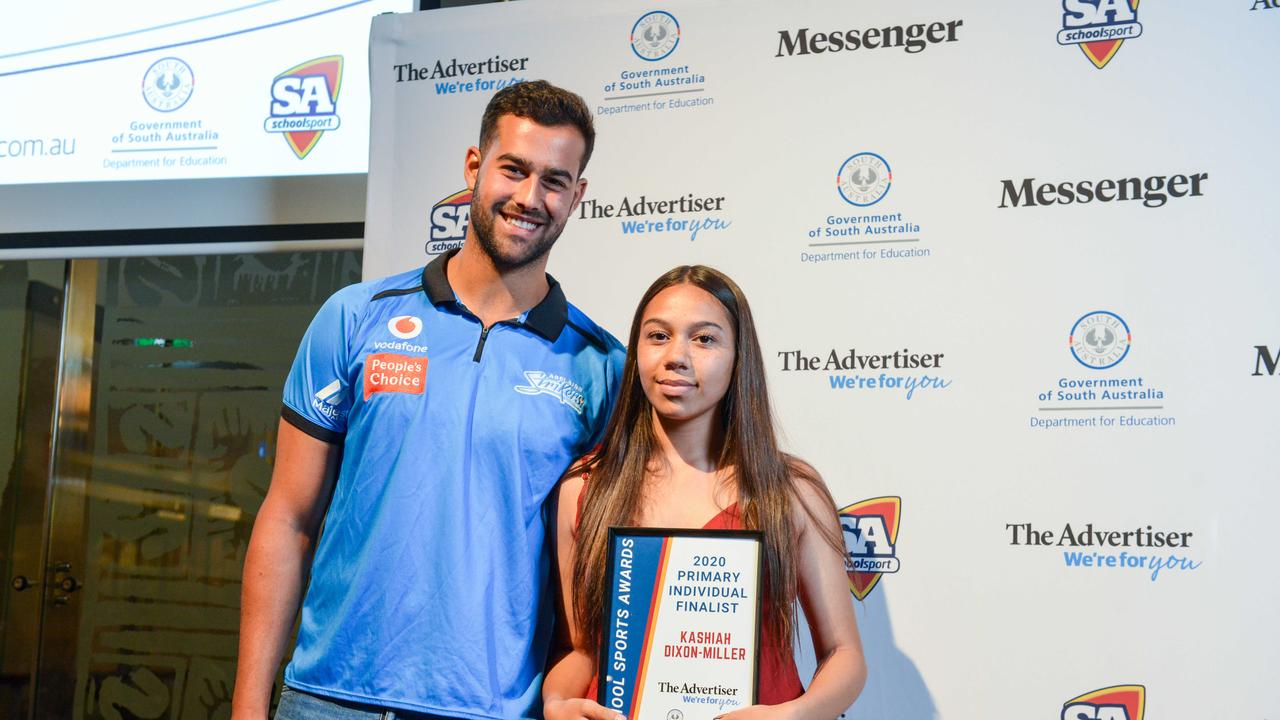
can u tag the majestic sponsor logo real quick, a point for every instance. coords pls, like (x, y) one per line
(864, 179)
(1266, 361)
(1153, 191)
(460, 77)
(405, 327)
(388, 372)
(1099, 27)
(660, 86)
(327, 399)
(167, 85)
(304, 103)
(870, 540)
(655, 35)
(449, 220)
(911, 38)
(560, 387)
(1118, 702)
(641, 216)
(851, 370)
(1100, 340)
(1139, 549)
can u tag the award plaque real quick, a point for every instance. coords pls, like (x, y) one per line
(681, 623)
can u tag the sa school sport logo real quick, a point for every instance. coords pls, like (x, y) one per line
(449, 219)
(1099, 27)
(870, 539)
(1118, 702)
(304, 103)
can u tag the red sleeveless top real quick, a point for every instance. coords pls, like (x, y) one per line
(779, 678)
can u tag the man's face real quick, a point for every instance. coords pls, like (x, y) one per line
(525, 185)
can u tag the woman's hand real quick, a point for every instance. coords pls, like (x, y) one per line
(578, 709)
(760, 712)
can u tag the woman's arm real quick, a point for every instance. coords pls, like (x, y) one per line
(571, 673)
(824, 594)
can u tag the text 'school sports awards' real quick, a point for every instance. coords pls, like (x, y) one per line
(681, 623)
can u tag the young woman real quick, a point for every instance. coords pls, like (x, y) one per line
(691, 444)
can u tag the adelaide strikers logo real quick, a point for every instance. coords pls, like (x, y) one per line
(655, 35)
(870, 540)
(864, 179)
(1099, 27)
(1100, 340)
(304, 103)
(1118, 702)
(449, 219)
(167, 85)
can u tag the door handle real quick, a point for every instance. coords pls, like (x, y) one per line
(20, 583)
(69, 584)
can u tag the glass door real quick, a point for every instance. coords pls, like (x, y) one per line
(156, 480)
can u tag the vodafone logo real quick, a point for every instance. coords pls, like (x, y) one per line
(405, 327)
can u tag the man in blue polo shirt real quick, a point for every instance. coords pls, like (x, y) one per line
(426, 419)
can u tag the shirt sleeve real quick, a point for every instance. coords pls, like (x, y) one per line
(317, 393)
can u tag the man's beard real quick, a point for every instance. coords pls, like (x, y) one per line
(482, 221)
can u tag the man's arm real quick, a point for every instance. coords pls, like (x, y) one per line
(278, 562)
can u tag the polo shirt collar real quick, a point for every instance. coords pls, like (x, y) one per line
(547, 318)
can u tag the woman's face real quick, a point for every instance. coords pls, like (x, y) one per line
(685, 354)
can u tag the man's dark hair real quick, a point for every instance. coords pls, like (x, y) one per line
(543, 103)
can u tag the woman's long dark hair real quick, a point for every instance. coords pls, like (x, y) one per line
(766, 477)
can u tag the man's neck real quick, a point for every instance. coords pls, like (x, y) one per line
(491, 294)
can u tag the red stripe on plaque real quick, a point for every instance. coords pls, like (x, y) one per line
(654, 606)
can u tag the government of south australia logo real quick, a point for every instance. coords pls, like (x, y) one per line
(870, 537)
(449, 219)
(304, 103)
(168, 83)
(1100, 340)
(864, 179)
(1118, 702)
(1099, 27)
(655, 35)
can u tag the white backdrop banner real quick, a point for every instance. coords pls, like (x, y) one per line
(1014, 270)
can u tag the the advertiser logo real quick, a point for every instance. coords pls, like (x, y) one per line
(1144, 550)
(387, 372)
(1099, 27)
(658, 83)
(870, 539)
(685, 216)
(449, 220)
(1118, 702)
(304, 103)
(560, 387)
(1100, 340)
(1154, 191)
(900, 374)
(327, 399)
(167, 85)
(862, 180)
(405, 327)
(454, 77)
(911, 38)
(1266, 361)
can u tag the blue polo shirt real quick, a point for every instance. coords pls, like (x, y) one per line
(429, 587)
